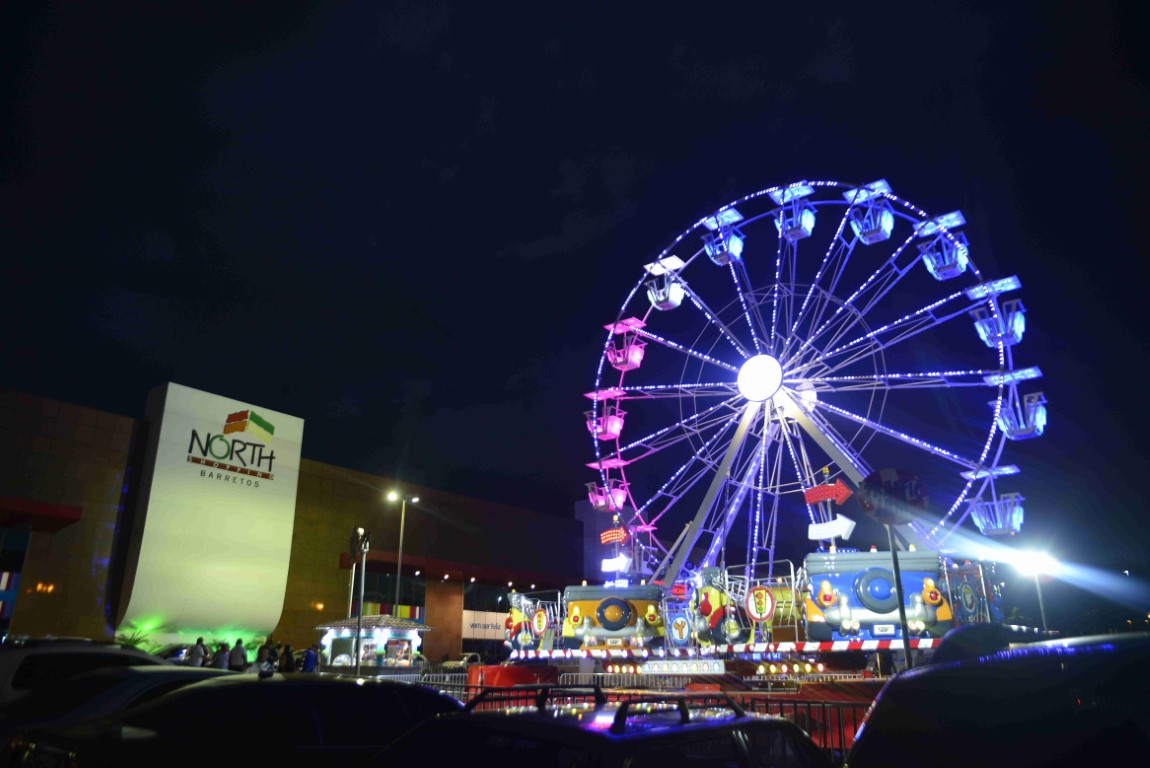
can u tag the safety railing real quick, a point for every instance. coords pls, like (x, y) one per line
(830, 724)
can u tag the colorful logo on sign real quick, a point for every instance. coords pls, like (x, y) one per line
(229, 452)
(250, 422)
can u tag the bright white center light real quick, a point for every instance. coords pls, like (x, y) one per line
(760, 378)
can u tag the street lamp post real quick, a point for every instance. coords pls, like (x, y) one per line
(1041, 606)
(353, 549)
(364, 539)
(403, 499)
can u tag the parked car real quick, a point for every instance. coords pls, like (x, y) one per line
(558, 726)
(242, 717)
(462, 663)
(177, 653)
(96, 693)
(27, 663)
(1053, 703)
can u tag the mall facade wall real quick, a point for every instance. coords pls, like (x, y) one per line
(74, 522)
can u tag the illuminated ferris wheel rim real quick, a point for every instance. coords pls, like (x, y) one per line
(802, 365)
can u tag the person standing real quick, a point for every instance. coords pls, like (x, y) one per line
(310, 660)
(238, 658)
(287, 660)
(262, 666)
(198, 654)
(220, 657)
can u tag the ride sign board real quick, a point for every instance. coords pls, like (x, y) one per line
(539, 622)
(838, 493)
(680, 630)
(760, 603)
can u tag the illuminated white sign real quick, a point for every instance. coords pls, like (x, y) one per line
(213, 537)
(483, 625)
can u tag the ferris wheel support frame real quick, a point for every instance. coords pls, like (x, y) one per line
(691, 536)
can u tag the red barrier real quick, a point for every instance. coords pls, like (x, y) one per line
(501, 676)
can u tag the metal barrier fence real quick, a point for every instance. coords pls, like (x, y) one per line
(830, 724)
(629, 681)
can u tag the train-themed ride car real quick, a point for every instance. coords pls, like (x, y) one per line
(613, 617)
(853, 596)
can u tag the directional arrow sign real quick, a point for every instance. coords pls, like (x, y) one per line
(840, 527)
(837, 493)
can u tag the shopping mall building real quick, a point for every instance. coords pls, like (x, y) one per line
(203, 519)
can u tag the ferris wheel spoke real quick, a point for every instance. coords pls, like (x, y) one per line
(894, 381)
(837, 244)
(837, 447)
(722, 389)
(748, 304)
(713, 318)
(685, 350)
(683, 431)
(901, 330)
(699, 466)
(848, 315)
(833, 262)
(800, 465)
(903, 437)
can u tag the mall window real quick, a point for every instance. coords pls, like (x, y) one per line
(380, 588)
(485, 597)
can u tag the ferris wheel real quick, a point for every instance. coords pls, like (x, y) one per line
(801, 344)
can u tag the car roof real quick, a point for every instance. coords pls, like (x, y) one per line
(49, 643)
(310, 679)
(997, 701)
(972, 641)
(1012, 652)
(236, 680)
(156, 670)
(1068, 656)
(108, 679)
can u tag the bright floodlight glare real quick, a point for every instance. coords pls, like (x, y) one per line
(760, 378)
(1035, 563)
(392, 495)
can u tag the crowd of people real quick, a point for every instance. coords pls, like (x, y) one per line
(270, 657)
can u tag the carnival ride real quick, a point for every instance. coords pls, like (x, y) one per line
(798, 346)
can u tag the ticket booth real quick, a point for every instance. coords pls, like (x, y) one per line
(386, 643)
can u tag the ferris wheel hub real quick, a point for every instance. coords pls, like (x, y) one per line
(760, 378)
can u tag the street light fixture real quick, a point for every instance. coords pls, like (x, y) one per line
(402, 499)
(360, 539)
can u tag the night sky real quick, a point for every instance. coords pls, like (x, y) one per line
(408, 222)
